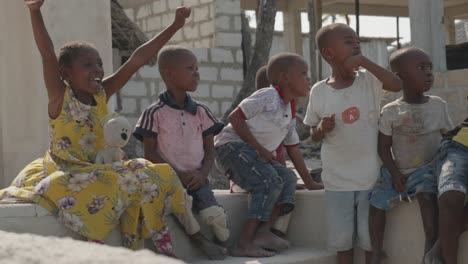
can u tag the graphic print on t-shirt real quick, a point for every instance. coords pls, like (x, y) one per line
(351, 115)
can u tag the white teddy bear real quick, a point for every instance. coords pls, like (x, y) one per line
(117, 132)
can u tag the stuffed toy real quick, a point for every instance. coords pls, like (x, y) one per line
(117, 132)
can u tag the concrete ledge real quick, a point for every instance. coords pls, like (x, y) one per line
(33, 219)
(404, 238)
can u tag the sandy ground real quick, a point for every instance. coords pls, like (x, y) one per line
(34, 249)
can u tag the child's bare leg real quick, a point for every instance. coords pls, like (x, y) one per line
(192, 228)
(245, 246)
(281, 214)
(451, 205)
(368, 256)
(376, 230)
(465, 220)
(267, 239)
(345, 257)
(429, 215)
(433, 256)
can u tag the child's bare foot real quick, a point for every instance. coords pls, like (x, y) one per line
(213, 251)
(433, 255)
(250, 250)
(266, 239)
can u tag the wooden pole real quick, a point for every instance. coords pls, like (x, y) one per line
(356, 7)
(398, 32)
(314, 12)
(292, 29)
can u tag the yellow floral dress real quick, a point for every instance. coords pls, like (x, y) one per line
(92, 199)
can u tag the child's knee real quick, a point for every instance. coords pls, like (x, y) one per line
(276, 183)
(451, 201)
(268, 185)
(452, 198)
(215, 216)
(290, 179)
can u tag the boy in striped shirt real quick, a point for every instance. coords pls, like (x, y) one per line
(180, 131)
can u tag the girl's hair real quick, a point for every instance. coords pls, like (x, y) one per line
(70, 51)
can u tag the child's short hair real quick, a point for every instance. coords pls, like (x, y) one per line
(169, 55)
(323, 34)
(399, 57)
(70, 51)
(280, 63)
(261, 78)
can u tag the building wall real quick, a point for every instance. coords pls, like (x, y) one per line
(452, 86)
(23, 105)
(153, 16)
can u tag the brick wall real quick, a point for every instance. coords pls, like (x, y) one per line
(154, 15)
(452, 86)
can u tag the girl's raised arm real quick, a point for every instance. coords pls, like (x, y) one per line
(50, 66)
(144, 53)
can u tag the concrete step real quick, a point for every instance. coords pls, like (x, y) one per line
(295, 255)
(404, 236)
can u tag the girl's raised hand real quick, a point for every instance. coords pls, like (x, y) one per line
(34, 4)
(181, 14)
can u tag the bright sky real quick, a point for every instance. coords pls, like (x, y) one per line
(369, 26)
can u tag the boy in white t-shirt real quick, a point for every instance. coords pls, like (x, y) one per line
(246, 153)
(411, 128)
(343, 113)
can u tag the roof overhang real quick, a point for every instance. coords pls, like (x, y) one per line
(453, 8)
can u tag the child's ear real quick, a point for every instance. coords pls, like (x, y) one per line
(167, 73)
(283, 77)
(327, 54)
(64, 73)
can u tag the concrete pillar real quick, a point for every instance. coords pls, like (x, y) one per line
(450, 29)
(23, 108)
(427, 29)
(292, 29)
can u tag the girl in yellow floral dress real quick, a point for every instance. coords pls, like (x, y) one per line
(92, 199)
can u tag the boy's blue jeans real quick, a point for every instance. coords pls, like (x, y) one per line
(203, 197)
(452, 167)
(268, 183)
(384, 196)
